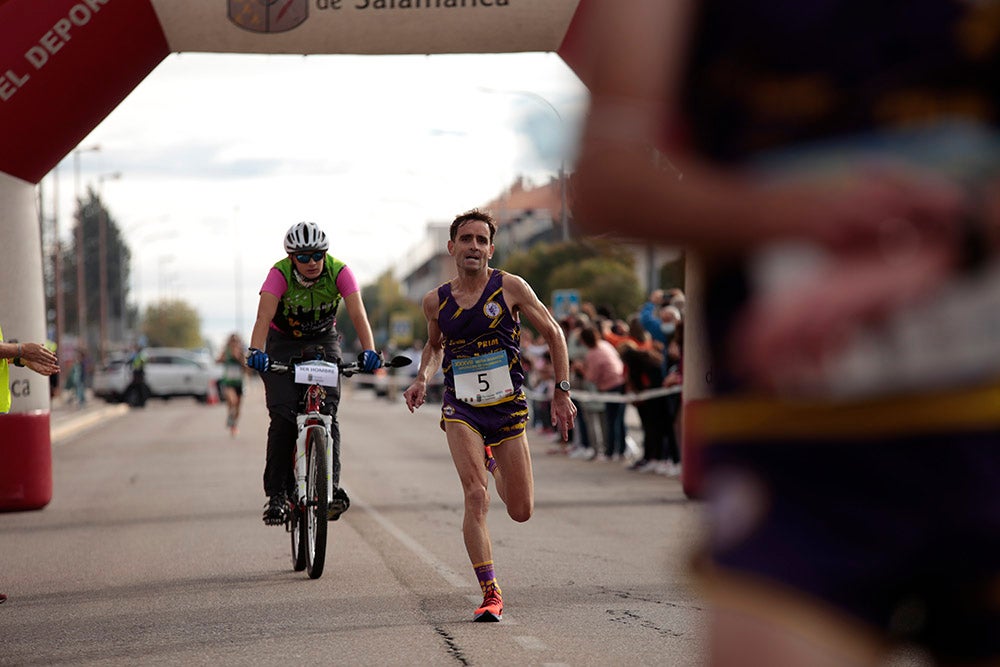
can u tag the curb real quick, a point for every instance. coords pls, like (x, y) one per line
(73, 425)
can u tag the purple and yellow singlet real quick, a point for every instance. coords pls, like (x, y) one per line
(482, 357)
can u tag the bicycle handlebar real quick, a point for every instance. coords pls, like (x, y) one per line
(347, 368)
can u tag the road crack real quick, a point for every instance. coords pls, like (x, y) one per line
(629, 617)
(454, 650)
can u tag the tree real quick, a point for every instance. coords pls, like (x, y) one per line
(384, 299)
(609, 284)
(172, 323)
(603, 271)
(89, 214)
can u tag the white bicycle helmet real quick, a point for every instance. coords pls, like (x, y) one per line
(303, 236)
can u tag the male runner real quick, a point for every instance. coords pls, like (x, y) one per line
(473, 329)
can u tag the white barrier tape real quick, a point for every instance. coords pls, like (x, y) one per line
(578, 394)
(603, 397)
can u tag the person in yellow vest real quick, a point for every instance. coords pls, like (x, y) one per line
(31, 355)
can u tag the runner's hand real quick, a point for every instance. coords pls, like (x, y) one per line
(415, 394)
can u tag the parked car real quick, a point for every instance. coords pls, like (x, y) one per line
(169, 372)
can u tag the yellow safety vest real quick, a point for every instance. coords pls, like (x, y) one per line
(4, 383)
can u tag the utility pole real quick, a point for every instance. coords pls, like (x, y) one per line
(81, 291)
(102, 260)
(57, 262)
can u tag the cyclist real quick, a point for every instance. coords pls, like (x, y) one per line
(296, 315)
(474, 330)
(231, 383)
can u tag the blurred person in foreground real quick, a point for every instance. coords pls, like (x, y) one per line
(296, 316)
(835, 165)
(474, 334)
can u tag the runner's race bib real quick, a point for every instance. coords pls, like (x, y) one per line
(482, 379)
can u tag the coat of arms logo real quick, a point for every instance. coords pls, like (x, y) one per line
(268, 15)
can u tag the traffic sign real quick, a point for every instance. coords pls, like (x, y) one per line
(565, 302)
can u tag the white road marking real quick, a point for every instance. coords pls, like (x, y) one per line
(71, 427)
(419, 551)
(530, 643)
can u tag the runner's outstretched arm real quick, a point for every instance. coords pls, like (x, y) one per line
(430, 358)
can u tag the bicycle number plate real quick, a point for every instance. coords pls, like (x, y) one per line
(323, 373)
(482, 379)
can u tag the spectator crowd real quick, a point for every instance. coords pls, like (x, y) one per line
(617, 364)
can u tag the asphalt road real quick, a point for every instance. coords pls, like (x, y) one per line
(153, 552)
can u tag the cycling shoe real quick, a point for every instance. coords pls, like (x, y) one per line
(338, 505)
(275, 511)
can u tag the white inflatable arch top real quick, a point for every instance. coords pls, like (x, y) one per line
(66, 64)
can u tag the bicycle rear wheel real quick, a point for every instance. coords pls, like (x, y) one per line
(317, 503)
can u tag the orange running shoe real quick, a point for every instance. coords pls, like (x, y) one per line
(492, 609)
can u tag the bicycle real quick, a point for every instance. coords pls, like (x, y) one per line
(313, 462)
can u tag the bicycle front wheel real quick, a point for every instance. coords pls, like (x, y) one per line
(298, 534)
(317, 503)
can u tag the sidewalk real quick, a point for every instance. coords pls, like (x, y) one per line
(67, 419)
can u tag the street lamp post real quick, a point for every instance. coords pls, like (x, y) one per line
(102, 260)
(563, 212)
(81, 293)
(57, 262)
(135, 266)
(164, 259)
(237, 271)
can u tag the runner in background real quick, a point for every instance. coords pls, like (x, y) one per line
(231, 383)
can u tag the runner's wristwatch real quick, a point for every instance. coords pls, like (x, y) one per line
(564, 385)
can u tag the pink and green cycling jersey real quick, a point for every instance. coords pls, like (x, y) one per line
(308, 311)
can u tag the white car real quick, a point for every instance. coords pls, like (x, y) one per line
(169, 372)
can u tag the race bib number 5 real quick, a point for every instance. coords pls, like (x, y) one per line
(482, 379)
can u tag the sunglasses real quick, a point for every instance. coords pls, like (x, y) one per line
(310, 257)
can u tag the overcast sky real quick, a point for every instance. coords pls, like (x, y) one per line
(220, 154)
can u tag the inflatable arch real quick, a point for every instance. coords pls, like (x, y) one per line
(66, 64)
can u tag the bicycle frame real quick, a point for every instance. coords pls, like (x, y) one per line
(313, 469)
(311, 417)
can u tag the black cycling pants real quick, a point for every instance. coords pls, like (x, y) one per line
(283, 398)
